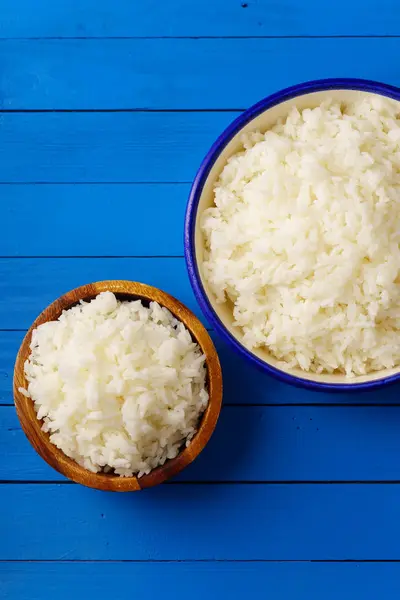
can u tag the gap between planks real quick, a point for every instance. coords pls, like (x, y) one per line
(201, 37)
(227, 482)
(111, 256)
(199, 560)
(118, 110)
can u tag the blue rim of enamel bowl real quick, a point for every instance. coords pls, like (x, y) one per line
(320, 85)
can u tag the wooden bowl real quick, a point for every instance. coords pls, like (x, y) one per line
(124, 290)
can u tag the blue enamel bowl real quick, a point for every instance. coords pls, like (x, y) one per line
(261, 117)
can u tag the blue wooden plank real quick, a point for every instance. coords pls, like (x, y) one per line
(253, 443)
(174, 73)
(106, 147)
(243, 384)
(46, 18)
(108, 219)
(28, 285)
(297, 581)
(202, 522)
(9, 344)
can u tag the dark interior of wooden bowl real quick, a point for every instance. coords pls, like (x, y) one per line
(124, 290)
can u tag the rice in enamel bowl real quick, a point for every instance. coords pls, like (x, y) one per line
(304, 236)
(119, 386)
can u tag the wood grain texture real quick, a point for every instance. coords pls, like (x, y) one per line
(179, 73)
(182, 521)
(28, 285)
(126, 290)
(297, 581)
(243, 383)
(261, 443)
(99, 18)
(62, 234)
(203, 522)
(9, 344)
(106, 147)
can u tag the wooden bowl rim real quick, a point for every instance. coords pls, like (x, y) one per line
(67, 466)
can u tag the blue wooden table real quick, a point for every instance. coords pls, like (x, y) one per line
(106, 110)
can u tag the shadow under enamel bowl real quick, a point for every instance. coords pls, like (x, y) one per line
(261, 117)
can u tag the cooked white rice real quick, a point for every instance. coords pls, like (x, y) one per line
(119, 386)
(304, 238)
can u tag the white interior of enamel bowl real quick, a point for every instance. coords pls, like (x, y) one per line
(224, 311)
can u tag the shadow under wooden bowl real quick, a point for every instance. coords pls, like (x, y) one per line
(124, 290)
